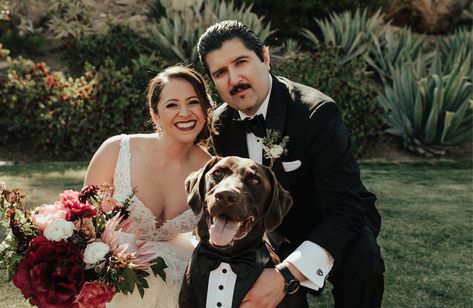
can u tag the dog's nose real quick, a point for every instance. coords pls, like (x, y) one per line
(226, 197)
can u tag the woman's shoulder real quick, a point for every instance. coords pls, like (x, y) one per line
(102, 165)
(142, 138)
(111, 146)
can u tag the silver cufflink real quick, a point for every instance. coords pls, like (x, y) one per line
(319, 272)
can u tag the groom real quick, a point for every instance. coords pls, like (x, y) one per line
(331, 229)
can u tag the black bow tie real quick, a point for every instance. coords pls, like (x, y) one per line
(255, 125)
(241, 263)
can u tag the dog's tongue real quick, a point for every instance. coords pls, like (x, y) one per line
(223, 231)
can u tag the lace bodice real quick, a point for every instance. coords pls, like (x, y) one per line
(142, 217)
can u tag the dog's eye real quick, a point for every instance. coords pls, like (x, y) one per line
(254, 181)
(217, 173)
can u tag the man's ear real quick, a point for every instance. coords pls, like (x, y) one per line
(195, 186)
(279, 205)
(266, 57)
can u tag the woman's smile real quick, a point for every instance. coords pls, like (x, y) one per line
(186, 125)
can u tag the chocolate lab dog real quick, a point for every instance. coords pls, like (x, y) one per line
(239, 201)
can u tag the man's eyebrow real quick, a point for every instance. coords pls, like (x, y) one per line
(240, 58)
(233, 61)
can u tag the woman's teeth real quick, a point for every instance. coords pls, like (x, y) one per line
(186, 125)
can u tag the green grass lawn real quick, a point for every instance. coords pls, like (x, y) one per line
(426, 237)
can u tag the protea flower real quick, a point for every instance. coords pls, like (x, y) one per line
(126, 244)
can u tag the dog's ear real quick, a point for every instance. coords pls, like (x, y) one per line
(195, 185)
(279, 205)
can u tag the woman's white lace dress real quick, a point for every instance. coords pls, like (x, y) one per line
(172, 240)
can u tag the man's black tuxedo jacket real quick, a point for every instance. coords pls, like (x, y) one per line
(331, 205)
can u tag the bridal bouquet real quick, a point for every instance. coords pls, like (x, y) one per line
(77, 252)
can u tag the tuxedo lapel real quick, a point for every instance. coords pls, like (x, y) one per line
(276, 121)
(276, 114)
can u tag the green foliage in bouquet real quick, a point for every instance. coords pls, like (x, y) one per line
(352, 32)
(80, 250)
(428, 108)
(15, 242)
(348, 84)
(178, 32)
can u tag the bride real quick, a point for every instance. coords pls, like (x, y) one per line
(157, 165)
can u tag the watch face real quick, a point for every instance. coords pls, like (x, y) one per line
(292, 286)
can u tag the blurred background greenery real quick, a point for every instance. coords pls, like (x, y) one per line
(73, 73)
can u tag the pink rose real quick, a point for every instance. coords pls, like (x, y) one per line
(108, 203)
(47, 213)
(70, 200)
(95, 294)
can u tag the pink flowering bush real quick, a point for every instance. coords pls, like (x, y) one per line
(52, 115)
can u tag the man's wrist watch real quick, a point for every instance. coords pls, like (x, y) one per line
(291, 284)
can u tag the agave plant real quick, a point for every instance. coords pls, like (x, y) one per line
(70, 19)
(428, 109)
(178, 32)
(351, 32)
(393, 48)
(455, 47)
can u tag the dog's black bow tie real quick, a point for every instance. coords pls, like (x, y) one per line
(255, 125)
(241, 263)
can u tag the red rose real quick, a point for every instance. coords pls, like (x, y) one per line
(95, 294)
(70, 201)
(51, 274)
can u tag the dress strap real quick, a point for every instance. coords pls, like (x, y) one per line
(122, 177)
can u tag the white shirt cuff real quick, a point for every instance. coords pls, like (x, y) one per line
(313, 262)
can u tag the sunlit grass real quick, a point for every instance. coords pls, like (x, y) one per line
(426, 237)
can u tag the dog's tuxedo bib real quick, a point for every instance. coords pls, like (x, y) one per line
(223, 281)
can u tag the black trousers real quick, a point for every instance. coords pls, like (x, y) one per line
(358, 279)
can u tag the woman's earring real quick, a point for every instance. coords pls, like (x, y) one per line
(159, 128)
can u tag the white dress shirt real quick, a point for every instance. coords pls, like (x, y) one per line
(310, 259)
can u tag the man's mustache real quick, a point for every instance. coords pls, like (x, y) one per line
(240, 86)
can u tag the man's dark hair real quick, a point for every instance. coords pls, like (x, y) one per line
(214, 37)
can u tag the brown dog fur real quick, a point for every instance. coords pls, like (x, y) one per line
(239, 189)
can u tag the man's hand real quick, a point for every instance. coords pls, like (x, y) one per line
(268, 290)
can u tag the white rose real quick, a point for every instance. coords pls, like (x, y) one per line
(276, 151)
(95, 252)
(59, 229)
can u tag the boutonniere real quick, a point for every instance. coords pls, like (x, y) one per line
(274, 145)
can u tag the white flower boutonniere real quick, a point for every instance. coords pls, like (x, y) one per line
(274, 145)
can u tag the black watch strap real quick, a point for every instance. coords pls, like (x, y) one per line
(291, 283)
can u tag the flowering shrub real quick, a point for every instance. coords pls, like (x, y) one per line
(50, 115)
(39, 106)
(78, 252)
